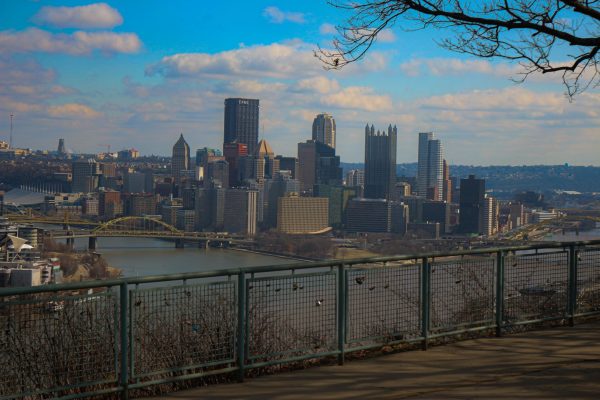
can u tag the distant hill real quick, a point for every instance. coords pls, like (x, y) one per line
(508, 178)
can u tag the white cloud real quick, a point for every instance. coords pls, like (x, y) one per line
(77, 43)
(92, 16)
(274, 60)
(358, 97)
(455, 66)
(278, 16)
(74, 110)
(327, 29)
(318, 84)
(386, 36)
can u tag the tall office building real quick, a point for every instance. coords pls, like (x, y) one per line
(430, 173)
(318, 164)
(380, 162)
(240, 211)
(288, 164)
(447, 184)
(355, 177)
(61, 147)
(85, 176)
(323, 129)
(233, 153)
(241, 122)
(472, 198)
(181, 157)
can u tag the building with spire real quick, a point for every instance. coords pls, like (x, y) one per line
(380, 162)
(323, 129)
(181, 157)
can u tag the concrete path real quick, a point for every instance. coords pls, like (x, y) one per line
(558, 363)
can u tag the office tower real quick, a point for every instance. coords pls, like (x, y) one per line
(209, 206)
(430, 172)
(282, 184)
(61, 147)
(233, 153)
(323, 129)
(240, 211)
(355, 177)
(85, 176)
(139, 205)
(263, 163)
(401, 189)
(168, 211)
(437, 211)
(490, 216)
(369, 215)
(302, 215)
(181, 158)
(206, 155)
(288, 164)
(380, 162)
(318, 164)
(241, 122)
(400, 218)
(134, 182)
(447, 184)
(472, 194)
(109, 204)
(217, 174)
(338, 201)
(185, 220)
(517, 215)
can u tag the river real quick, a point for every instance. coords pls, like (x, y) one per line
(142, 257)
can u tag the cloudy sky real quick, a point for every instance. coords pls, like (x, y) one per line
(136, 74)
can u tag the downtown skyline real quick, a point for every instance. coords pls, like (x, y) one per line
(129, 79)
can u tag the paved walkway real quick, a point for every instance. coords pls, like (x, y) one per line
(557, 363)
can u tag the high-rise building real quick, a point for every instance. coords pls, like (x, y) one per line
(233, 153)
(437, 211)
(85, 176)
(355, 177)
(134, 182)
(369, 215)
(240, 211)
(241, 122)
(181, 157)
(490, 216)
(302, 215)
(61, 147)
(288, 164)
(323, 129)
(273, 190)
(109, 204)
(380, 162)
(472, 197)
(338, 201)
(318, 164)
(430, 172)
(217, 174)
(447, 184)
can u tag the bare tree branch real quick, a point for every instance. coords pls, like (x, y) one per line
(544, 36)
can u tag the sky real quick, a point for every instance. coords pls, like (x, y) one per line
(134, 74)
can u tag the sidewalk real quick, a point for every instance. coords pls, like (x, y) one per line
(555, 363)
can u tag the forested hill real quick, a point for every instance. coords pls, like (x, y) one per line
(511, 178)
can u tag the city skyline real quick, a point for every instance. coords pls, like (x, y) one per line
(109, 77)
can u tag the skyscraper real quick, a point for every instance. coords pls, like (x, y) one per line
(241, 122)
(61, 147)
(380, 162)
(85, 176)
(472, 195)
(181, 157)
(323, 129)
(318, 164)
(430, 171)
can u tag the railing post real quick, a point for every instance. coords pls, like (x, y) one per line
(342, 308)
(425, 300)
(499, 292)
(124, 376)
(241, 333)
(572, 284)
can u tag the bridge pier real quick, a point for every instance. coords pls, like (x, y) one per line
(92, 243)
(179, 244)
(203, 244)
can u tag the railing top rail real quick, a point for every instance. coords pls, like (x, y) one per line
(284, 267)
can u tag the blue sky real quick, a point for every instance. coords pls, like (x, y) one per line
(136, 74)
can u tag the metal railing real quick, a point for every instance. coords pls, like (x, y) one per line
(115, 336)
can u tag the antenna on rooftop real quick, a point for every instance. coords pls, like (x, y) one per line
(10, 141)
